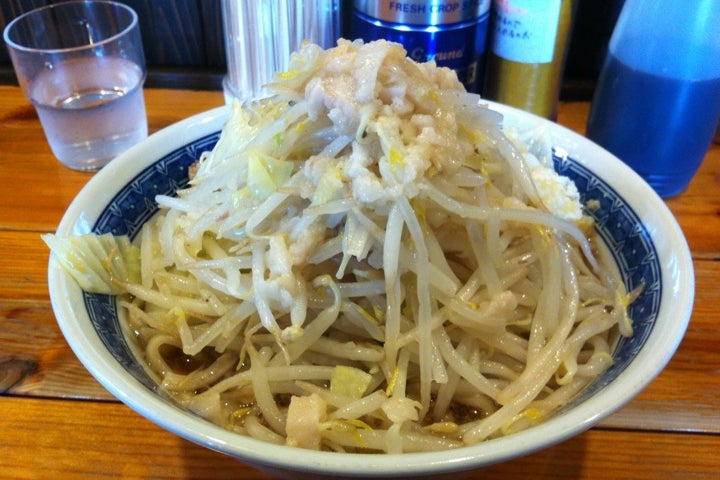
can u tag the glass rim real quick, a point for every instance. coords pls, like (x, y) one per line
(57, 6)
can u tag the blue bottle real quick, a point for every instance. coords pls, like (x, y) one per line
(657, 101)
(452, 33)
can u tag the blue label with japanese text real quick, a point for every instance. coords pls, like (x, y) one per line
(459, 46)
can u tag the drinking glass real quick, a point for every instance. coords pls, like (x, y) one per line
(81, 65)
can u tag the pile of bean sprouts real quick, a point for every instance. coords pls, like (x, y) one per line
(365, 262)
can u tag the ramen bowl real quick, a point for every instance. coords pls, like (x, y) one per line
(640, 234)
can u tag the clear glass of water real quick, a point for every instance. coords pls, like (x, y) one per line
(81, 65)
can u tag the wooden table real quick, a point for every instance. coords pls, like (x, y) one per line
(56, 421)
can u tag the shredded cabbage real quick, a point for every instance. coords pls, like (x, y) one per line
(99, 263)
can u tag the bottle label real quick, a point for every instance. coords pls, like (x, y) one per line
(524, 30)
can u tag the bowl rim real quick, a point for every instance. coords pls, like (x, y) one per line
(673, 317)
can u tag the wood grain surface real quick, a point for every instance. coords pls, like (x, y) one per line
(58, 422)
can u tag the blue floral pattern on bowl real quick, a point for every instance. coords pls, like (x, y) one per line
(617, 224)
(126, 213)
(633, 251)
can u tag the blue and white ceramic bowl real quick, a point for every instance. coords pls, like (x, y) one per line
(637, 227)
